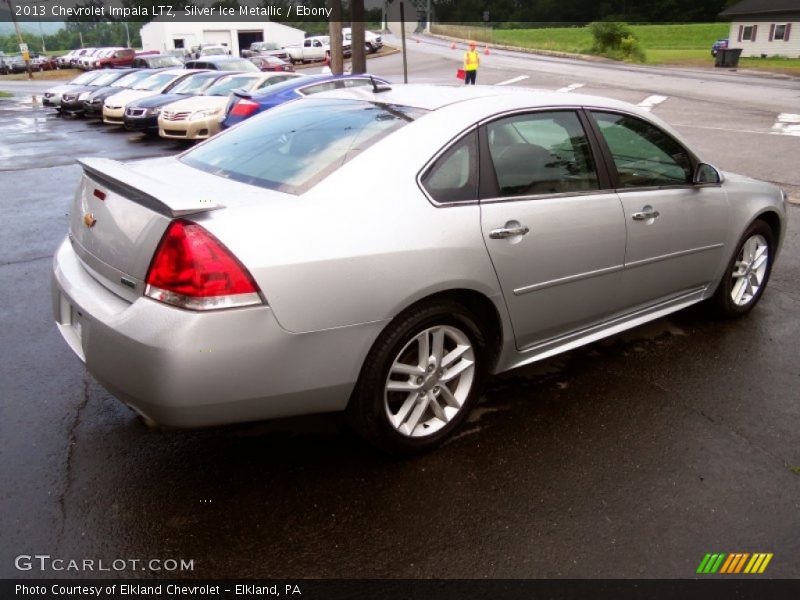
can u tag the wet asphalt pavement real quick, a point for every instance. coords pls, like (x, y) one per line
(632, 457)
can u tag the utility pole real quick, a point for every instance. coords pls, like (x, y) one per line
(127, 34)
(428, 18)
(403, 32)
(22, 47)
(358, 63)
(335, 34)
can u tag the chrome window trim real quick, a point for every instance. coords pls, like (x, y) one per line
(453, 141)
(531, 197)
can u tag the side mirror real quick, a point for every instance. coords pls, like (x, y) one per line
(705, 174)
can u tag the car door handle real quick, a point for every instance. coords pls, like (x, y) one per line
(507, 232)
(645, 214)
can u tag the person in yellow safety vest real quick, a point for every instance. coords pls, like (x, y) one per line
(471, 61)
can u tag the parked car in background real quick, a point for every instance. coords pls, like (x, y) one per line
(93, 103)
(243, 105)
(372, 41)
(212, 50)
(270, 63)
(315, 48)
(43, 61)
(52, 96)
(16, 64)
(78, 54)
(142, 115)
(73, 99)
(158, 83)
(63, 61)
(266, 49)
(156, 61)
(120, 57)
(86, 61)
(197, 117)
(180, 53)
(221, 63)
(268, 248)
(719, 45)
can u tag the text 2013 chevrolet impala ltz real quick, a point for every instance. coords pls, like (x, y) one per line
(379, 251)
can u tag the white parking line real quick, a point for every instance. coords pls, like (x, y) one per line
(570, 87)
(651, 101)
(513, 80)
(787, 124)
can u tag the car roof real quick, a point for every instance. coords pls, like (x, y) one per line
(216, 58)
(434, 97)
(299, 82)
(486, 101)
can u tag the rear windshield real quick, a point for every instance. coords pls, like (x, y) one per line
(156, 62)
(295, 146)
(226, 85)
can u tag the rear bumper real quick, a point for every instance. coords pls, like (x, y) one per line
(187, 369)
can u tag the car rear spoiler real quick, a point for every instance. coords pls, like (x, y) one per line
(159, 196)
(241, 93)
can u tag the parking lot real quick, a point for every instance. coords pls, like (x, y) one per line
(632, 457)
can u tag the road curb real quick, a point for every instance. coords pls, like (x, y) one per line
(555, 53)
(380, 54)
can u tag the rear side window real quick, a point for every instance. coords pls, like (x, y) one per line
(320, 87)
(541, 153)
(644, 155)
(295, 146)
(454, 175)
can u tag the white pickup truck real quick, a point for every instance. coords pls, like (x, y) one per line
(315, 48)
(372, 41)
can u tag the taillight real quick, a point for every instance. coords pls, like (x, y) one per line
(244, 108)
(193, 269)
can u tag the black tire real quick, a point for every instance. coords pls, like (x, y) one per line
(366, 411)
(722, 303)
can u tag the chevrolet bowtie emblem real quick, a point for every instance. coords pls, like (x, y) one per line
(89, 220)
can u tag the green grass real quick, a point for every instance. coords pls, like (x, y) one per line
(55, 74)
(687, 44)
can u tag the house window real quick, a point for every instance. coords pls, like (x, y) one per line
(747, 35)
(780, 32)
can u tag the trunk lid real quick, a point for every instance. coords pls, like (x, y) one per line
(121, 211)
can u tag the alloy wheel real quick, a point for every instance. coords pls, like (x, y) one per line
(749, 270)
(429, 381)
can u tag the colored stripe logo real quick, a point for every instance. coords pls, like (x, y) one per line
(734, 563)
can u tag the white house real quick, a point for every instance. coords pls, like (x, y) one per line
(765, 27)
(164, 35)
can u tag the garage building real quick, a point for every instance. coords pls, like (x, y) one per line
(765, 27)
(163, 35)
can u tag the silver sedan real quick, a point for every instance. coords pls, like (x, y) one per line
(379, 251)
